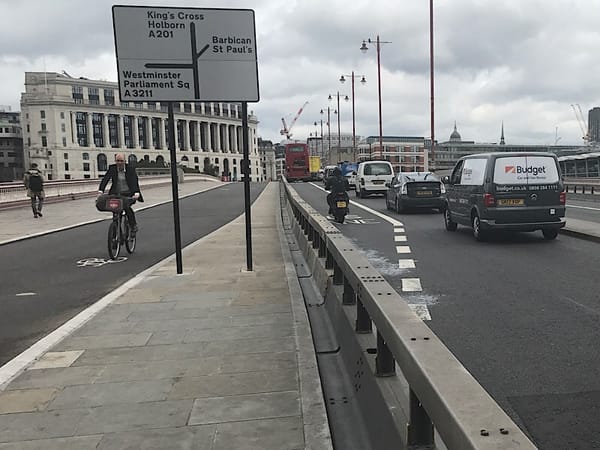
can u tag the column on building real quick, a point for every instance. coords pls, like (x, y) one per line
(226, 146)
(121, 132)
(162, 138)
(148, 132)
(186, 135)
(135, 132)
(105, 131)
(74, 129)
(89, 129)
(209, 146)
(197, 140)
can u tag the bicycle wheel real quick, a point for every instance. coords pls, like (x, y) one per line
(130, 238)
(114, 244)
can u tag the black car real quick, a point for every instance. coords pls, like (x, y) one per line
(415, 190)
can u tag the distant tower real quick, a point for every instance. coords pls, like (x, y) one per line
(594, 124)
(502, 134)
(455, 136)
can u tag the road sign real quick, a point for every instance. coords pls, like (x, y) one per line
(185, 54)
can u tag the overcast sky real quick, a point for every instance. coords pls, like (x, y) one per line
(523, 62)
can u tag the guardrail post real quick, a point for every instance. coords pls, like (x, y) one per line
(363, 320)
(349, 297)
(420, 427)
(316, 239)
(329, 261)
(338, 275)
(385, 364)
(322, 248)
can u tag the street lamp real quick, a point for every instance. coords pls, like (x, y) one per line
(338, 119)
(364, 49)
(362, 81)
(328, 130)
(321, 154)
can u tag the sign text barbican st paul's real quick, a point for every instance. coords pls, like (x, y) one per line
(185, 54)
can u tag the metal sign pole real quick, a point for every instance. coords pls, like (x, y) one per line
(246, 172)
(172, 141)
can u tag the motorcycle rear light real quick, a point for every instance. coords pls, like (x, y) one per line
(563, 198)
(489, 200)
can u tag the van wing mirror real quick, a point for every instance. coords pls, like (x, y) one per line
(446, 179)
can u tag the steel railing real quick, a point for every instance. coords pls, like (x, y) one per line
(441, 391)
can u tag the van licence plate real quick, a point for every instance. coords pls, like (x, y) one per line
(511, 202)
(378, 181)
(341, 204)
(424, 192)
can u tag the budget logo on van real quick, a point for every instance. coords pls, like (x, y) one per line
(535, 171)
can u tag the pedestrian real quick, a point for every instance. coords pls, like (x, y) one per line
(124, 182)
(34, 182)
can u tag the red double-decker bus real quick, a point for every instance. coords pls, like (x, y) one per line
(297, 165)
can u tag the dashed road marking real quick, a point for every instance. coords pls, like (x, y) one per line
(399, 230)
(399, 238)
(411, 285)
(406, 263)
(25, 294)
(420, 310)
(402, 249)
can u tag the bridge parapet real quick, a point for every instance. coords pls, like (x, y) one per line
(440, 390)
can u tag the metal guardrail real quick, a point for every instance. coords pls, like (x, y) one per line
(16, 193)
(441, 391)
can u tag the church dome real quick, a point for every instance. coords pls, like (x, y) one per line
(455, 136)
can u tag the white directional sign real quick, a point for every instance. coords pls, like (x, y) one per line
(185, 54)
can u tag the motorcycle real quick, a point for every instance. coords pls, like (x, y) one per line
(339, 207)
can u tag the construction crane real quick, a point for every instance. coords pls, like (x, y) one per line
(287, 131)
(581, 121)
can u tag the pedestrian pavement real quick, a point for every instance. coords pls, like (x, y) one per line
(217, 357)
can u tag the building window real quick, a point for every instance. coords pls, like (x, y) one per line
(78, 94)
(125, 104)
(67, 166)
(67, 176)
(62, 114)
(128, 131)
(93, 96)
(85, 156)
(86, 167)
(65, 155)
(155, 134)
(28, 128)
(187, 107)
(109, 97)
(43, 127)
(142, 132)
(152, 105)
(113, 131)
(138, 105)
(44, 141)
(64, 139)
(43, 114)
(28, 142)
(81, 123)
(97, 128)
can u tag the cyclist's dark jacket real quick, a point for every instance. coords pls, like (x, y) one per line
(130, 176)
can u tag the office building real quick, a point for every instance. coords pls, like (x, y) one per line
(73, 127)
(11, 146)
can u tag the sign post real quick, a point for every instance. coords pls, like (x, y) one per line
(174, 54)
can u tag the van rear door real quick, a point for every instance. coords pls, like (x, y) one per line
(527, 188)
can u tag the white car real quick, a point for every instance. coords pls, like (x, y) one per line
(351, 177)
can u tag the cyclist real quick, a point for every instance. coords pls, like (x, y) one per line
(339, 184)
(125, 182)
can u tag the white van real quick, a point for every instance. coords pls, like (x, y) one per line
(372, 176)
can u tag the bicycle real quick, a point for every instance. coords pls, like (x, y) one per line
(119, 231)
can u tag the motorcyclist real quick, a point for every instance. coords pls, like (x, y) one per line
(338, 185)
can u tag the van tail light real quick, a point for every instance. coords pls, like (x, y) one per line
(489, 200)
(563, 198)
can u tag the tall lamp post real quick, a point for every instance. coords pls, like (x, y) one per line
(431, 82)
(364, 49)
(321, 134)
(363, 81)
(338, 119)
(328, 130)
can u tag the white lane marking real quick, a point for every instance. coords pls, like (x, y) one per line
(399, 230)
(583, 207)
(399, 238)
(411, 285)
(25, 294)
(406, 263)
(402, 249)
(394, 222)
(420, 310)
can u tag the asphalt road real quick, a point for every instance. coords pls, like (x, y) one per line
(519, 312)
(44, 283)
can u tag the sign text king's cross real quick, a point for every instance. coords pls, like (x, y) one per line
(185, 54)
